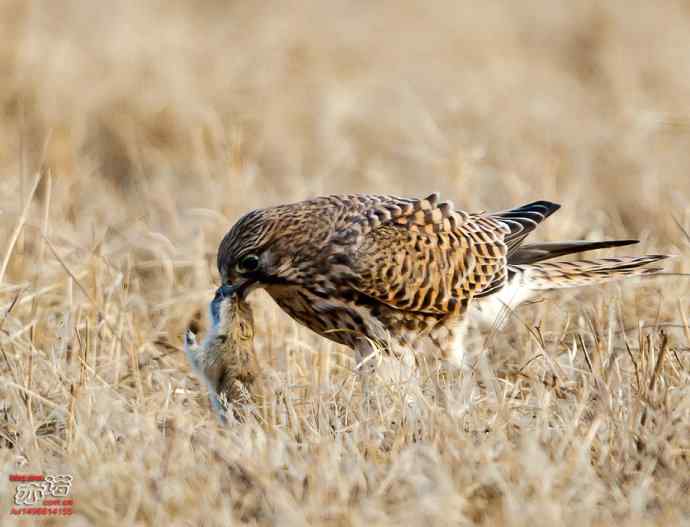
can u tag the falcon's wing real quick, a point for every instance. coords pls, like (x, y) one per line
(523, 220)
(422, 255)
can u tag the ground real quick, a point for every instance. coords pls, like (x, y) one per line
(133, 134)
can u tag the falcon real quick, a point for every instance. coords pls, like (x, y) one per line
(372, 271)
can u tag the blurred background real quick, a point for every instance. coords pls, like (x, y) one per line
(151, 108)
(155, 125)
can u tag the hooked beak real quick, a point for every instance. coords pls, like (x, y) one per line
(240, 288)
(226, 290)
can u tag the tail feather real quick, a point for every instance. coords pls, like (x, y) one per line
(538, 252)
(557, 275)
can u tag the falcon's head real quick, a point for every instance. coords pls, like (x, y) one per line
(245, 259)
(272, 246)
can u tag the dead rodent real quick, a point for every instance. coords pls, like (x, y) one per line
(224, 360)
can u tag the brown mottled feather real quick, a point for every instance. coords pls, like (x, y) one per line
(429, 258)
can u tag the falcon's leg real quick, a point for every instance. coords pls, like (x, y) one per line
(365, 355)
(449, 337)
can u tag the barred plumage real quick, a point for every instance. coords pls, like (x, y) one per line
(396, 270)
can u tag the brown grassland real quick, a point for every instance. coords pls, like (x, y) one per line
(133, 134)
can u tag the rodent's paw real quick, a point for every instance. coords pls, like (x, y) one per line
(190, 339)
(192, 349)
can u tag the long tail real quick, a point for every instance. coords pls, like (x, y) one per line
(529, 270)
(557, 275)
(530, 253)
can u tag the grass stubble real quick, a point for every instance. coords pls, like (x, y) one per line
(122, 167)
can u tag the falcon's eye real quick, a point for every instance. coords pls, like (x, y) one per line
(248, 263)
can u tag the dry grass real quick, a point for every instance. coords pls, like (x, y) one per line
(156, 124)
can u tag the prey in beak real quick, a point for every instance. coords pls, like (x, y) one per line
(223, 361)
